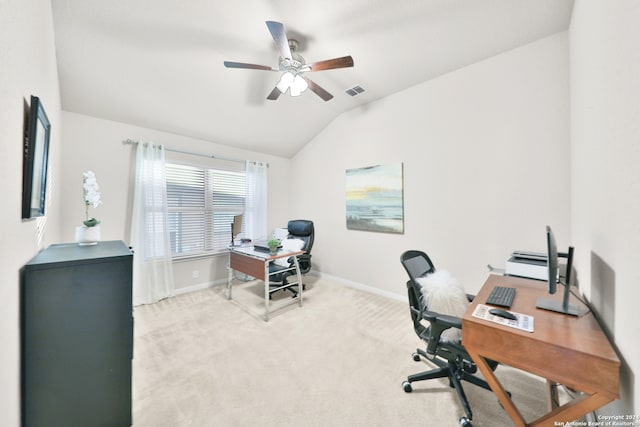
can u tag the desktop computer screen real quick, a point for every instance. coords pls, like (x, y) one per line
(554, 278)
(236, 228)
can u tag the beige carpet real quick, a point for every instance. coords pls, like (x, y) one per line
(202, 360)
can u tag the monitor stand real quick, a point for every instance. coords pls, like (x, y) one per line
(560, 306)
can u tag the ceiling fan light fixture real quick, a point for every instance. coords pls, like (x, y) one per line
(286, 80)
(298, 86)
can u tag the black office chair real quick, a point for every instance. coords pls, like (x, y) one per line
(298, 229)
(452, 359)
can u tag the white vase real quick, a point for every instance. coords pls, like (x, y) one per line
(87, 235)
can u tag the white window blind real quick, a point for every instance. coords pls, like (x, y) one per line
(202, 204)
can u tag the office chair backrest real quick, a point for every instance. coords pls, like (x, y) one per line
(416, 264)
(303, 229)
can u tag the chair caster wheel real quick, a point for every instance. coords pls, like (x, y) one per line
(465, 422)
(406, 386)
(416, 357)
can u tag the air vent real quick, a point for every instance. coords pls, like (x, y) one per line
(354, 91)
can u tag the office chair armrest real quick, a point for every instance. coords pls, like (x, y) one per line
(449, 321)
(304, 261)
(438, 324)
(301, 258)
(442, 319)
(290, 261)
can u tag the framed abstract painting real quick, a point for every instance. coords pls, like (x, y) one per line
(375, 200)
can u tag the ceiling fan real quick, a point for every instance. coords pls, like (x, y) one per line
(293, 66)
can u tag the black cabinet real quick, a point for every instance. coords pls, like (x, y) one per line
(77, 336)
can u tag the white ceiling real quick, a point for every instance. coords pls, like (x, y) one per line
(159, 63)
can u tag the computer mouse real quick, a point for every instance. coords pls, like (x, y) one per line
(503, 313)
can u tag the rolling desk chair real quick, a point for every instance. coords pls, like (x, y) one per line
(452, 359)
(301, 229)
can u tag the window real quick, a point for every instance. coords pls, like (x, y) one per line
(202, 203)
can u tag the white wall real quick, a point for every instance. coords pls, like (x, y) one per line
(486, 167)
(96, 144)
(605, 145)
(27, 67)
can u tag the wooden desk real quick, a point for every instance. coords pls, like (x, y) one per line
(569, 350)
(256, 264)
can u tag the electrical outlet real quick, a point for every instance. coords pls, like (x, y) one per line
(196, 274)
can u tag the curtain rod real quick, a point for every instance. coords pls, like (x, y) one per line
(129, 141)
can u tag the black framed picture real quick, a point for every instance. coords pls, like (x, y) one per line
(36, 153)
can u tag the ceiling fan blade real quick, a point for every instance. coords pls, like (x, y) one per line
(343, 62)
(318, 90)
(230, 64)
(280, 38)
(275, 93)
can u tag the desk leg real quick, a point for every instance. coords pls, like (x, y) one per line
(574, 409)
(498, 390)
(295, 261)
(570, 411)
(266, 291)
(552, 395)
(229, 280)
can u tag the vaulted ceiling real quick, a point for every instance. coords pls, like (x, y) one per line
(159, 63)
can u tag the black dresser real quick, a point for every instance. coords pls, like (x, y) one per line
(77, 336)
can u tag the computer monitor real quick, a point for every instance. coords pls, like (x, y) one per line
(236, 227)
(553, 278)
(552, 261)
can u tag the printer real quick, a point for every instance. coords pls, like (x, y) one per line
(531, 265)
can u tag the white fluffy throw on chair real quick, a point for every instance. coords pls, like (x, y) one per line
(443, 294)
(289, 245)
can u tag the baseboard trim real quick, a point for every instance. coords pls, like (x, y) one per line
(361, 286)
(335, 279)
(199, 287)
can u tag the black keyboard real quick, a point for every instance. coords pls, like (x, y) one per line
(502, 296)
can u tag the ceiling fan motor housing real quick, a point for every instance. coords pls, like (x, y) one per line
(296, 62)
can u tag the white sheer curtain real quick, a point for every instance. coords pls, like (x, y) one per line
(152, 270)
(256, 205)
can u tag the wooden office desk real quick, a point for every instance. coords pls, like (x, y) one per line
(256, 264)
(569, 350)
